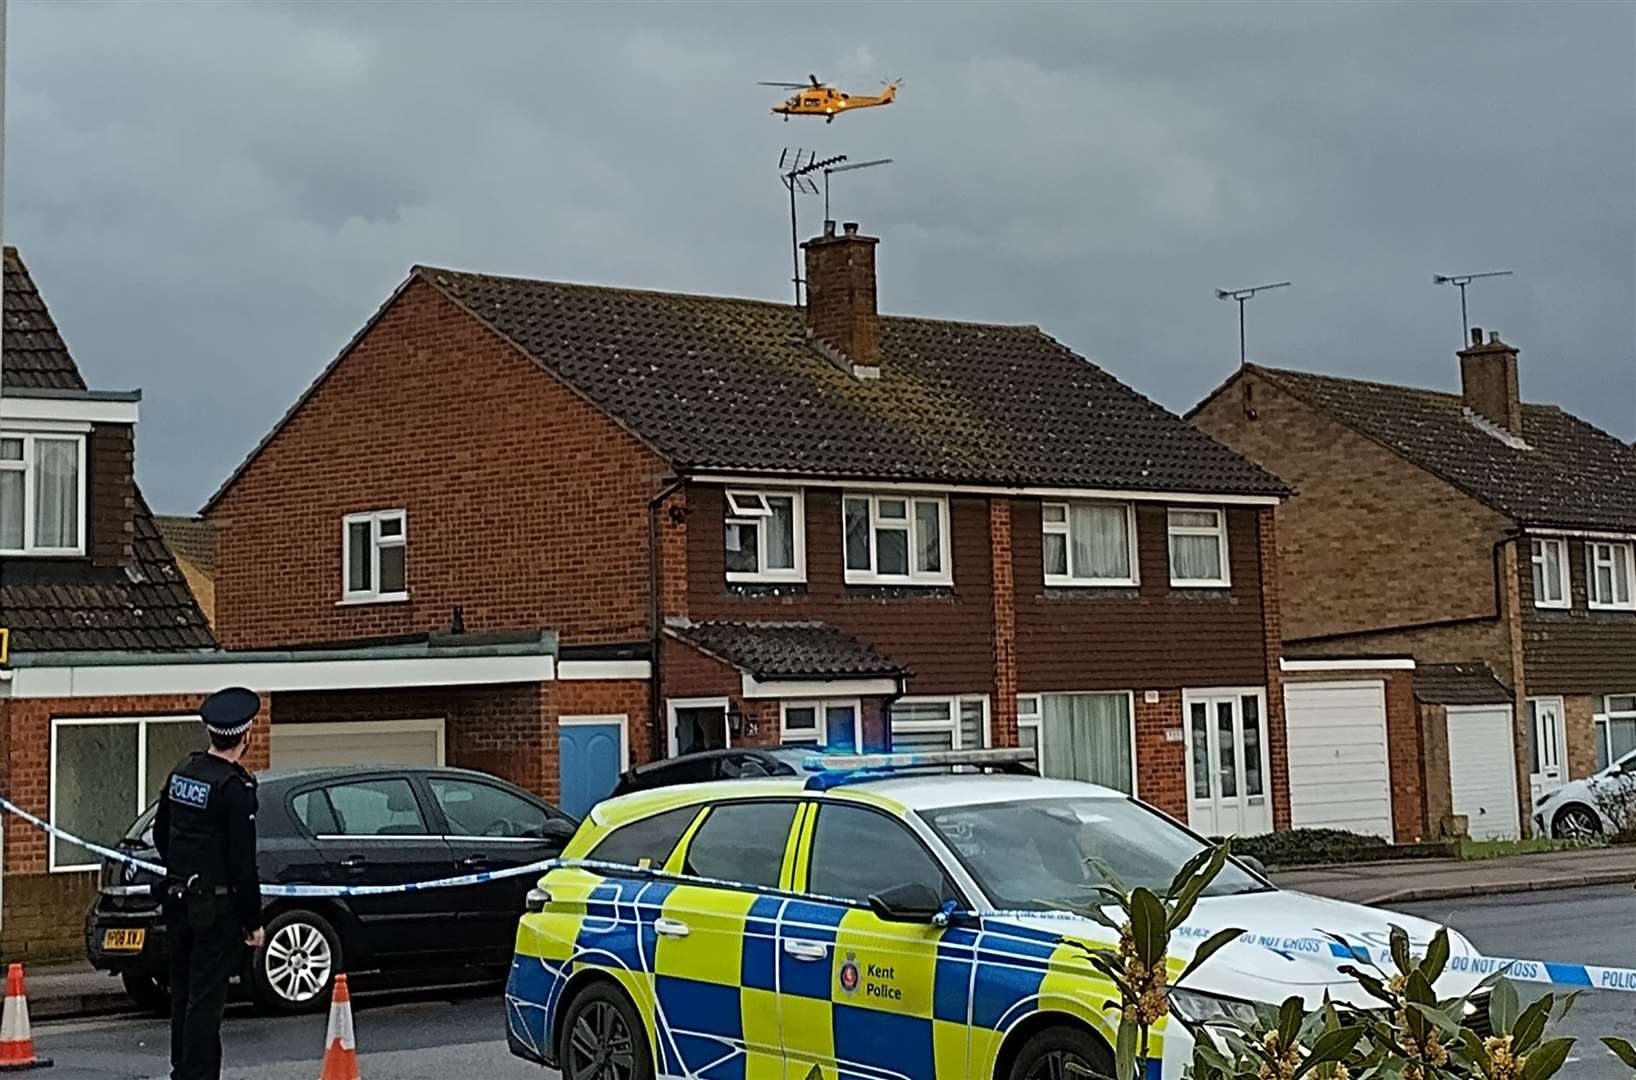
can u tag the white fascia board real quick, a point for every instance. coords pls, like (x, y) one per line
(603, 669)
(1106, 494)
(1582, 534)
(818, 688)
(72, 410)
(1401, 663)
(121, 680)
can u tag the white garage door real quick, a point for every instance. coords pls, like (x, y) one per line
(1483, 771)
(364, 742)
(1339, 776)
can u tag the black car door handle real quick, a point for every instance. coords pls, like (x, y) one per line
(354, 863)
(475, 862)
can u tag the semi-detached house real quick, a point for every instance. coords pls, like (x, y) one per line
(750, 523)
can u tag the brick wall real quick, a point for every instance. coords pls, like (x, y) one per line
(1434, 757)
(526, 506)
(1369, 541)
(612, 697)
(1161, 765)
(1266, 529)
(1579, 724)
(1003, 707)
(1405, 756)
(110, 460)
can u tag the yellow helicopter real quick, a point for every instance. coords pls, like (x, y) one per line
(813, 98)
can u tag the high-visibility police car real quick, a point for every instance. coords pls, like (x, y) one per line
(876, 926)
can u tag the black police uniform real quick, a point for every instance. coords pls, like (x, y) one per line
(205, 831)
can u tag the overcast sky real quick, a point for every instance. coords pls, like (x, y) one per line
(215, 197)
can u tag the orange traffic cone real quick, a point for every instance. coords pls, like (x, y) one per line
(340, 1048)
(16, 1044)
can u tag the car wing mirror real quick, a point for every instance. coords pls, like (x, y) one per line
(559, 829)
(911, 902)
(1252, 863)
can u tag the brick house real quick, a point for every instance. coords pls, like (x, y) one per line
(1488, 538)
(762, 523)
(193, 546)
(110, 653)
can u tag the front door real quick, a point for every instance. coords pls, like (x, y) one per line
(1546, 769)
(592, 755)
(1227, 763)
(698, 726)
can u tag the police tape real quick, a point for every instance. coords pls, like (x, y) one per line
(1586, 976)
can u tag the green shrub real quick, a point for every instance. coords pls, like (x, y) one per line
(1300, 847)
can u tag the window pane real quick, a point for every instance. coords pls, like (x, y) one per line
(1028, 736)
(1226, 751)
(921, 712)
(1028, 706)
(857, 534)
(781, 533)
(11, 449)
(971, 724)
(1252, 744)
(1056, 554)
(928, 537)
(377, 808)
(391, 528)
(1201, 750)
(474, 809)
(892, 551)
(1621, 575)
(169, 741)
(857, 853)
(801, 722)
(1604, 584)
(1195, 558)
(1193, 519)
(56, 493)
(841, 727)
(360, 575)
(312, 809)
(742, 842)
(1053, 513)
(1621, 738)
(95, 782)
(393, 576)
(648, 842)
(1101, 546)
(1087, 737)
(741, 547)
(11, 509)
(892, 509)
(1621, 703)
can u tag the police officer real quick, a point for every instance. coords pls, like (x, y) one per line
(206, 835)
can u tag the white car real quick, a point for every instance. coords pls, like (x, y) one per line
(1591, 807)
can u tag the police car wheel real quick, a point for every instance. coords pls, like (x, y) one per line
(603, 1037)
(1048, 1055)
(294, 970)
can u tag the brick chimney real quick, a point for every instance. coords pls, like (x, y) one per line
(1488, 381)
(841, 293)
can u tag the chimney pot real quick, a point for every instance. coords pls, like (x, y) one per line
(1493, 336)
(829, 228)
(851, 228)
(1476, 335)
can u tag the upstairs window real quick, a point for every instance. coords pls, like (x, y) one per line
(1086, 543)
(42, 504)
(897, 539)
(1608, 573)
(1550, 557)
(373, 549)
(1198, 548)
(764, 536)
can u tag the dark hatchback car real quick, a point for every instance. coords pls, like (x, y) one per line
(352, 826)
(705, 765)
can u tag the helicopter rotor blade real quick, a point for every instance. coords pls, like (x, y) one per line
(785, 85)
(814, 79)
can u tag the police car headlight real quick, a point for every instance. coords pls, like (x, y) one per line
(1204, 1008)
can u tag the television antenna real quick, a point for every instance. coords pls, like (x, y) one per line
(1242, 295)
(1461, 281)
(796, 168)
(847, 168)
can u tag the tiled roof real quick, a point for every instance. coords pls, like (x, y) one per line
(35, 355)
(715, 383)
(1471, 683)
(53, 605)
(190, 538)
(787, 650)
(1570, 473)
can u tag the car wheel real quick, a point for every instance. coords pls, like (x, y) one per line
(1575, 823)
(603, 1037)
(294, 970)
(1049, 1055)
(150, 995)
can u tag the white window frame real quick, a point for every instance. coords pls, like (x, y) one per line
(1602, 723)
(914, 577)
(743, 506)
(141, 765)
(952, 724)
(819, 733)
(1536, 557)
(1219, 531)
(1064, 528)
(26, 467)
(373, 594)
(1031, 714)
(1617, 552)
(675, 705)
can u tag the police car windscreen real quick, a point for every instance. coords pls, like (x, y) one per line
(1052, 853)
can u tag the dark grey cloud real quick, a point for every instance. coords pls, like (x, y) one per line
(215, 197)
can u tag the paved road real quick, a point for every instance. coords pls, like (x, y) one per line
(1587, 926)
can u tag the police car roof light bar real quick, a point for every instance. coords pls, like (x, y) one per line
(834, 769)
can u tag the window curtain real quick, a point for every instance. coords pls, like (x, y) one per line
(1101, 549)
(1195, 558)
(913, 742)
(1087, 737)
(781, 534)
(56, 493)
(11, 509)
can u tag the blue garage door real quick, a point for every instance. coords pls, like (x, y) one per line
(591, 759)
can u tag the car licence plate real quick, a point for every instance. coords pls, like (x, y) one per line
(123, 940)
